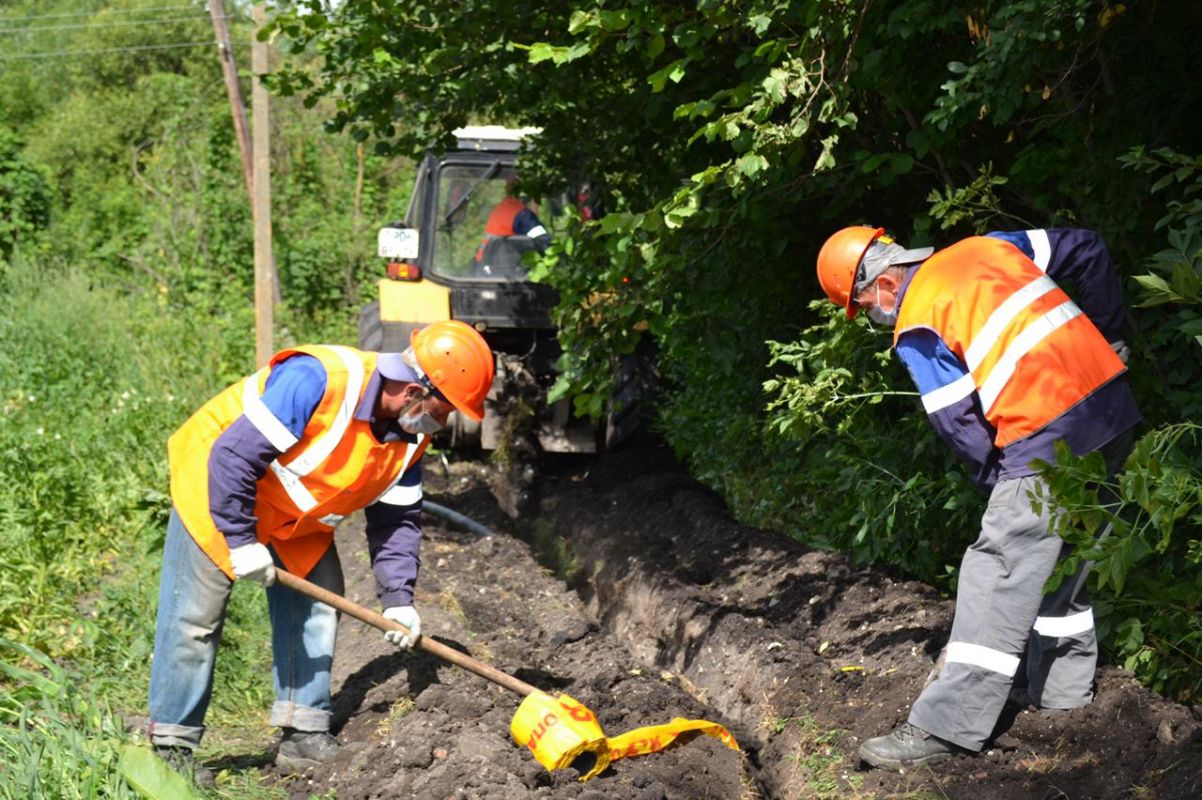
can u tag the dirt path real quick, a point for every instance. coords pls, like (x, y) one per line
(676, 610)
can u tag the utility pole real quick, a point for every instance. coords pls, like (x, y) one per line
(229, 69)
(264, 259)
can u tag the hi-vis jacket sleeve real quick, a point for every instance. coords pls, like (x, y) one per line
(1079, 262)
(394, 537)
(527, 223)
(951, 402)
(243, 451)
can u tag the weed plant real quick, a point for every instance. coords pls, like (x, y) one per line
(92, 382)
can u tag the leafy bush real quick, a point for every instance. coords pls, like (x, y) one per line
(92, 381)
(1146, 538)
(1146, 550)
(24, 195)
(890, 491)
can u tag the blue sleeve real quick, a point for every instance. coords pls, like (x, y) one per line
(1079, 257)
(294, 388)
(394, 535)
(526, 223)
(950, 399)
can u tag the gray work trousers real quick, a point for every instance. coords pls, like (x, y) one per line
(1002, 614)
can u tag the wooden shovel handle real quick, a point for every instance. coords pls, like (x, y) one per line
(425, 642)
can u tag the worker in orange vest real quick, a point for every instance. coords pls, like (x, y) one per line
(260, 477)
(1007, 365)
(513, 216)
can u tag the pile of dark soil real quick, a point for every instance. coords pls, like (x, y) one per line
(660, 605)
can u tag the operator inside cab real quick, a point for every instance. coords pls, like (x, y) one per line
(514, 216)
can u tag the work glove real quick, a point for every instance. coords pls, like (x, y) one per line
(1121, 350)
(407, 616)
(253, 562)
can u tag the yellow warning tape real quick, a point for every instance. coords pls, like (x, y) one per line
(558, 730)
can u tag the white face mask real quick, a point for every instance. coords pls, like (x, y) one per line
(417, 421)
(879, 315)
(421, 423)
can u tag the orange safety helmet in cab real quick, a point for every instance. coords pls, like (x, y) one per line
(457, 361)
(839, 261)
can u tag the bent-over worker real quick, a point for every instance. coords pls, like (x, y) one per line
(260, 477)
(1007, 365)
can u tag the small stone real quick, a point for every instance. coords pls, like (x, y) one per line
(440, 753)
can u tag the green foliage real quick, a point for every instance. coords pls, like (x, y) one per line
(727, 140)
(151, 776)
(55, 740)
(92, 381)
(24, 196)
(886, 478)
(1143, 533)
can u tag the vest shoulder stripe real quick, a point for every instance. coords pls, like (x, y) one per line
(980, 656)
(952, 393)
(1024, 343)
(1001, 318)
(1041, 245)
(321, 447)
(265, 422)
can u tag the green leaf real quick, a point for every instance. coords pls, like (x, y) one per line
(150, 775)
(655, 45)
(751, 164)
(901, 163)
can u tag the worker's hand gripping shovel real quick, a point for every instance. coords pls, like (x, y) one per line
(558, 730)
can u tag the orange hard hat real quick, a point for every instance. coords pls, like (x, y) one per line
(457, 360)
(838, 261)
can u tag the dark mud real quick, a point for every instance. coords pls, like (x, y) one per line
(663, 606)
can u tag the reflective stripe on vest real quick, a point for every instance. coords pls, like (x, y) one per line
(401, 495)
(320, 448)
(1030, 352)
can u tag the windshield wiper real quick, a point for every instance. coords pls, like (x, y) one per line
(492, 169)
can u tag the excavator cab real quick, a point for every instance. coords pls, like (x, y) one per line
(443, 264)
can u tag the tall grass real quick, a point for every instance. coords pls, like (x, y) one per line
(93, 379)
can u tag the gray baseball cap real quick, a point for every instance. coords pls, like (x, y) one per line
(884, 253)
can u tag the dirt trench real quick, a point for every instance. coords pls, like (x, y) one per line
(659, 606)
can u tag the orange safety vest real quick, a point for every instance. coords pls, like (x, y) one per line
(500, 222)
(1031, 354)
(335, 468)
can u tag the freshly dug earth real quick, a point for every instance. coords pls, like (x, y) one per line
(672, 609)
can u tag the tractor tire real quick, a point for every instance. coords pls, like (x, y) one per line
(634, 378)
(382, 336)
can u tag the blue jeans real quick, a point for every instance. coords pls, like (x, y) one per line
(193, 596)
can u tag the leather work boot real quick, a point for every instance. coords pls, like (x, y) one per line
(182, 760)
(907, 746)
(304, 750)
